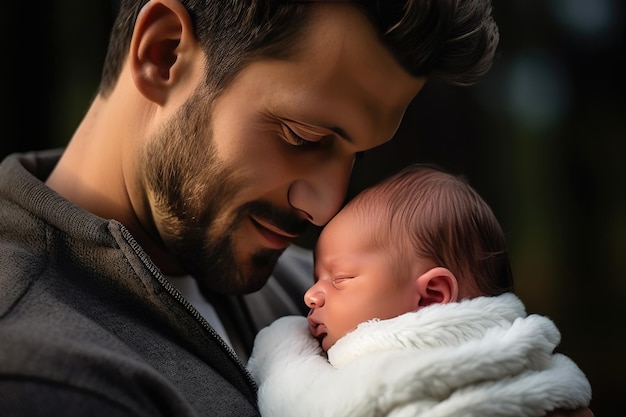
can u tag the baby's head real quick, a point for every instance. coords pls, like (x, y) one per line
(419, 237)
(425, 212)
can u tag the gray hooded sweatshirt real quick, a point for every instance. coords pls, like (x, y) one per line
(89, 326)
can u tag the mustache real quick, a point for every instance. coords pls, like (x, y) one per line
(287, 220)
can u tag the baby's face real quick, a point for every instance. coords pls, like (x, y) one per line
(354, 281)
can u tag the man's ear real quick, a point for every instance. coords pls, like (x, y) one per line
(437, 286)
(163, 34)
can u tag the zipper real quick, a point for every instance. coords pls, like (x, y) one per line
(196, 314)
(186, 304)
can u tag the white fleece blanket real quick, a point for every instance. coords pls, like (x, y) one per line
(480, 357)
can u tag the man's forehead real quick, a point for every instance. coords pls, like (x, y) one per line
(343, 44)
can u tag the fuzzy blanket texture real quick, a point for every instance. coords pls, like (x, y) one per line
(475, 358)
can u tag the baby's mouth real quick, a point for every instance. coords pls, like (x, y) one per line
(318, 330)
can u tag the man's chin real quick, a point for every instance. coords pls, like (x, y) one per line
(239, 277)
(259, 270)
(236, 263)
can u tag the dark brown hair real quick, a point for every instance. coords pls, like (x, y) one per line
(451, 40)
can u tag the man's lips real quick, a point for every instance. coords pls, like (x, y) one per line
(275, 238)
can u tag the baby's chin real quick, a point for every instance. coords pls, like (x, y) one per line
(326, 342)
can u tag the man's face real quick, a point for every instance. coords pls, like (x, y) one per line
(232, 184)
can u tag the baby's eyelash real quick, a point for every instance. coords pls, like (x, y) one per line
(338, 280)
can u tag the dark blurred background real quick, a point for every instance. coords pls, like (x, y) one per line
(542, 138)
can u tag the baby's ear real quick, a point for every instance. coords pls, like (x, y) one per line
(437, 286)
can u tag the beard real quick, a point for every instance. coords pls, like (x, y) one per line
(190, 189)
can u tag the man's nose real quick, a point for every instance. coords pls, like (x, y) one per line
(320, 194)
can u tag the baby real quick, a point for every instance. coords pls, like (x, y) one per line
(412, 313)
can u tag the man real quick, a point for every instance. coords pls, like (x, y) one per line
(219, 132)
